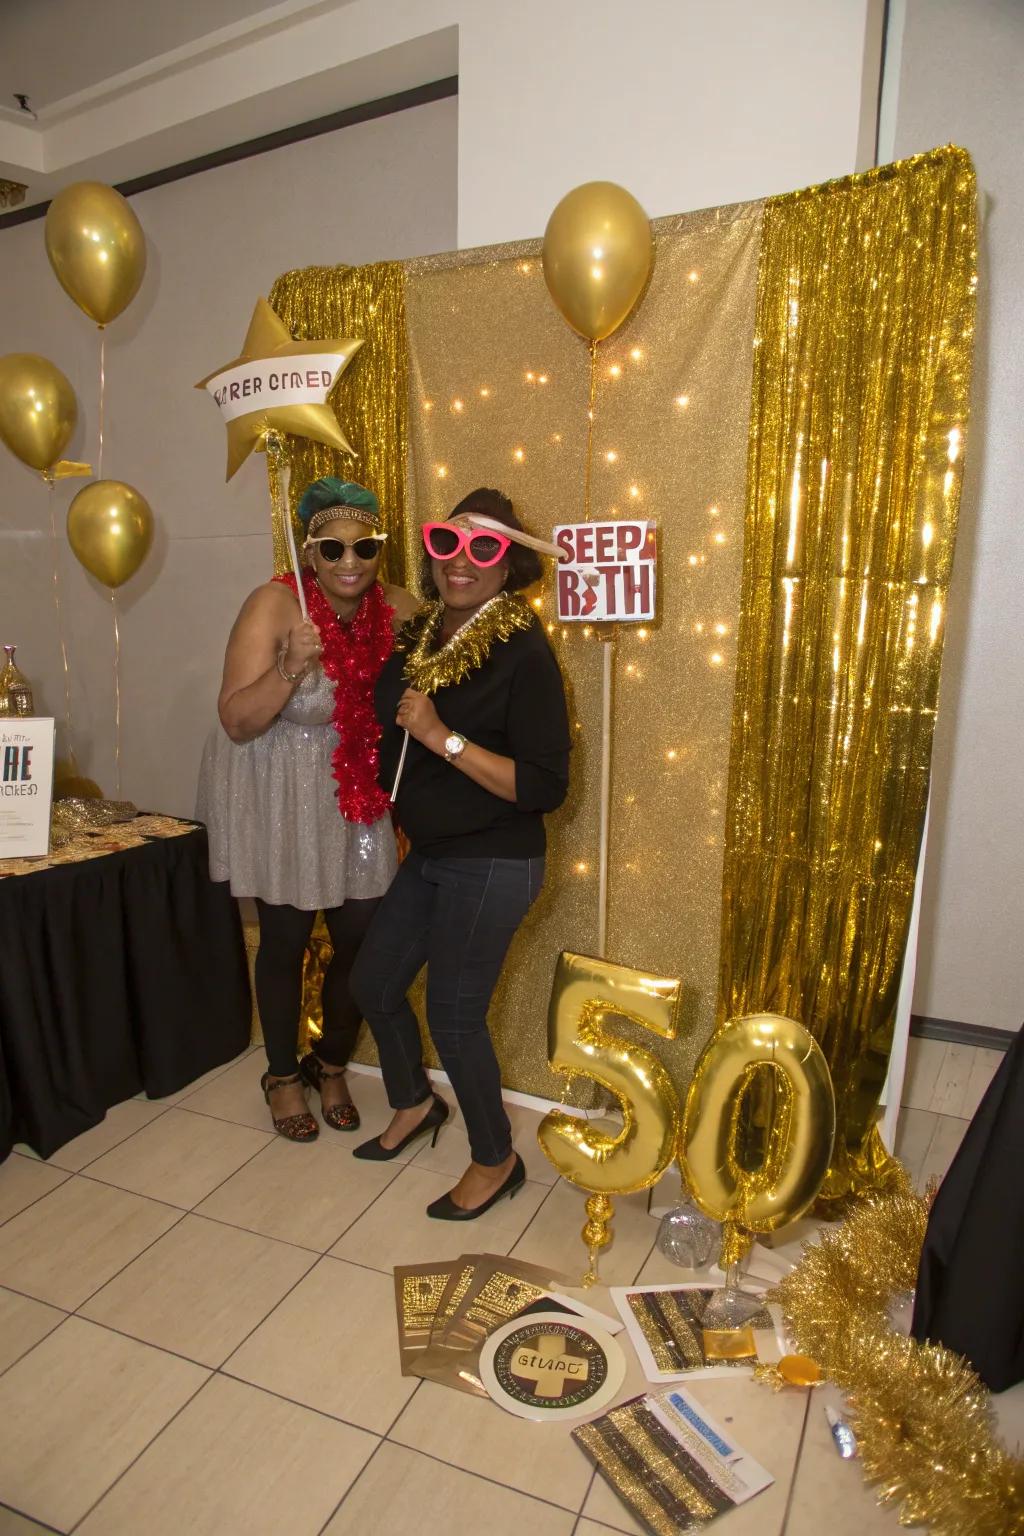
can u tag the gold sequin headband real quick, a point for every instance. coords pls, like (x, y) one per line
(331, 514)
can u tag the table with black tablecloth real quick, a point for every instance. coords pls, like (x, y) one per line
(122, 970)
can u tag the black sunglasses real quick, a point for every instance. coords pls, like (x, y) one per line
(333, 550)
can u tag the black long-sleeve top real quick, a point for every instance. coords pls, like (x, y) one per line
(513, 704)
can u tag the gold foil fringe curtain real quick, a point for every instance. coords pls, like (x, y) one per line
(370, 400)
(865, 313)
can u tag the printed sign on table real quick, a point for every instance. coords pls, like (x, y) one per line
(26, 786)
(606, 574)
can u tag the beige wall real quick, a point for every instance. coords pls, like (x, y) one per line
(961, 78)
(384, 189)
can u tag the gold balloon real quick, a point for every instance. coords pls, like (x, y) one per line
(597, 257)
(787, 1121)
(584, 993)
(110, 529)
(38, 410)
(96, 247)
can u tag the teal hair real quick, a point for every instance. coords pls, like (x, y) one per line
(330, 492)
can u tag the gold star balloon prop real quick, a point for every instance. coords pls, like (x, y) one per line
(279, 385)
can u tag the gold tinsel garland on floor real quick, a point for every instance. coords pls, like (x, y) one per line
(922, 1417)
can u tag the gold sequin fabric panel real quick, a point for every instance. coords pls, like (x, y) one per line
(371, 398)
(865, 318)
(499, 388)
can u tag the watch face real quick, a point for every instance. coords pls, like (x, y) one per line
(454, 745)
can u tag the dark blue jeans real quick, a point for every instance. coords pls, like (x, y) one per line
(458, 916)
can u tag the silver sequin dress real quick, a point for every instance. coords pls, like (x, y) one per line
(270, 807)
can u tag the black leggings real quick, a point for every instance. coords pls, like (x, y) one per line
(284, 934)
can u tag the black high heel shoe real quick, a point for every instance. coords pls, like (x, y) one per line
(445, 1208)
(372, 1151)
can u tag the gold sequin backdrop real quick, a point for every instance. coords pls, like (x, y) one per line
(371, 398)
(498, 396)
(865, 313)
(863, 301)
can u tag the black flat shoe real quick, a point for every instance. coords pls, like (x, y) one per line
(372, 1151)
(445, 1209)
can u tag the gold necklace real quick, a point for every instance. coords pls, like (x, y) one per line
(427, 670)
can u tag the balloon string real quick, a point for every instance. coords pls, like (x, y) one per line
(117, 691)
(60, 619)
(590, 432)
(103, 388)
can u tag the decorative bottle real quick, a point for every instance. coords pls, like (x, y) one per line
(15, 689)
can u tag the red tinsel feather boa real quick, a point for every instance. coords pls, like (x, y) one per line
(352, 657)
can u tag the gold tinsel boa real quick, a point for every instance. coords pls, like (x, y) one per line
(922, 1417)
(428, 670)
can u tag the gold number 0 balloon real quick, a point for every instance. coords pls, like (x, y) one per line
(796, 1141)
(584, 993)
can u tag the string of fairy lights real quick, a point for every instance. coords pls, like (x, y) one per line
(627, 499)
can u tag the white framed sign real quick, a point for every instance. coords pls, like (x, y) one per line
(606, 573)
(26, 786)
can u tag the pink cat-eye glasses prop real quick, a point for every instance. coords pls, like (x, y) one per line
(444, 541)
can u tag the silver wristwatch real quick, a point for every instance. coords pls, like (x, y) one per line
(454, 746)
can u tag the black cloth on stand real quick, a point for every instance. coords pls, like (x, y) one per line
(970, 1285)
(118, 974)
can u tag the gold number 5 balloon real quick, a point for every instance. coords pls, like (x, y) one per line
(584, 993)
(758, 1128)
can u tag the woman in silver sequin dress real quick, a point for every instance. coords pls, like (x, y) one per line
(288, 786)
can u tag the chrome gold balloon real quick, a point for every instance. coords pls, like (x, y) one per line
(110, 529)
(586, 994)
(795, 1133)
(38, 410)
(597, 257)
(96, 248)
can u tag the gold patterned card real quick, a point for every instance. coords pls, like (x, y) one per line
(666, 1326)
(419, 1289)
(672, 1465)
(499, 1289)
(463, 1270)
(485, 1290)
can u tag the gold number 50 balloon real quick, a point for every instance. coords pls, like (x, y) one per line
(757, 1169)
(584, 993)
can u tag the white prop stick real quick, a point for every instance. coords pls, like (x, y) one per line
(284, 476)
(398, 770)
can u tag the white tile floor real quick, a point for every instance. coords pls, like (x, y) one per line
(197, 1334)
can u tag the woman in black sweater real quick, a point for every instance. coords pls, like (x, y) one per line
(476, 686)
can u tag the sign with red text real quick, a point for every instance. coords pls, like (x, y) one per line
(260, 383)
(26, 786)
(606, 573)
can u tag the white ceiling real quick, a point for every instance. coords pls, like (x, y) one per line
(125, 88)
(52, 49)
